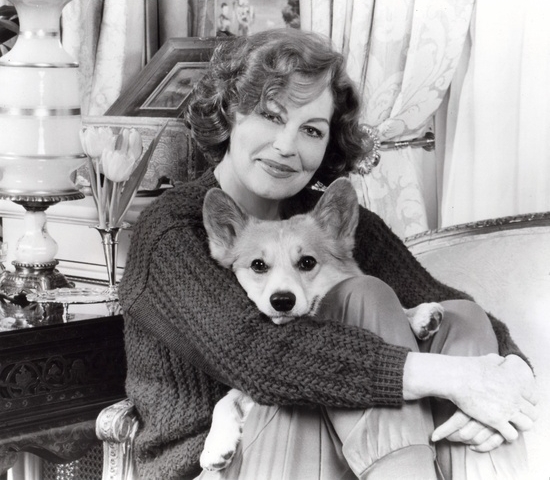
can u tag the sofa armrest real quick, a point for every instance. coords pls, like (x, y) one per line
(116, 426)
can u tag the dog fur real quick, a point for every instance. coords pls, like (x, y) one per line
(286, 267)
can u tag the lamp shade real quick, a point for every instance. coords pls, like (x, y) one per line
(40, 115)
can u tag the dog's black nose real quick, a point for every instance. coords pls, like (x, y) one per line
(283, 301)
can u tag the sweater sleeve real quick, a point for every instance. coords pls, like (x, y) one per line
(200, 312)
(382, 254)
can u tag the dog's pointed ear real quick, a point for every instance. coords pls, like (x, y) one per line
(223, 220)
(338, 209)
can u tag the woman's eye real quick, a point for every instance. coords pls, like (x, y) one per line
(307, 263)
(314, 132)
(272, 117)
(258, 266)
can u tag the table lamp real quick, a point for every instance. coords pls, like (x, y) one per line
(40, 146)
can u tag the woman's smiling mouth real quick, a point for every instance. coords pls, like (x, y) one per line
(276, 169)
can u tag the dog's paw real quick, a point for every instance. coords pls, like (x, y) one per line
(426, 319)
(219, 451)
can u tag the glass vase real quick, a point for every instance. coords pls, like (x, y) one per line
(109, 241)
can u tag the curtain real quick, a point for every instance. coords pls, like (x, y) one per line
(497, 159)
(113, 40)
(106, 37)
(402, 54)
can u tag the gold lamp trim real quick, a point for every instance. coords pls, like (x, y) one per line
(10, 63)
(39, 112)
(39, 33)
(10, 156)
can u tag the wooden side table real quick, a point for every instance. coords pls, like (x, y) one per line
(54, 381)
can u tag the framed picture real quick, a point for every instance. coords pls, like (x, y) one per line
(175, 88)
(162, 87)
(243, 17)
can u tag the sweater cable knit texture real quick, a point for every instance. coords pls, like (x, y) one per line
(191, 332)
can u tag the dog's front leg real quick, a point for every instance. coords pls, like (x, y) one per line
(425, 319)
(226, 430)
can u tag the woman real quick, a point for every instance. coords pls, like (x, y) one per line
(347, 397)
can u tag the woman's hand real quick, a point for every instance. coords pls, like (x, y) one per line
(495, 391)
(498, 392)
(464, 429)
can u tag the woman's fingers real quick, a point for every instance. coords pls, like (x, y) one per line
(522, 422)
(461, 428)
(524, 419)
(483, 435)
(530, 410)
(458, 420)
(471, 434)
(493, 441)
(508, 431)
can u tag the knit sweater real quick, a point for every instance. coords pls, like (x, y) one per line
(191, 332)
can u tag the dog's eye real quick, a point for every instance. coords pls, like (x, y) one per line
(307, 263)
(259, 266)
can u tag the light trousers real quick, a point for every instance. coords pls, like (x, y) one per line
(379, 443)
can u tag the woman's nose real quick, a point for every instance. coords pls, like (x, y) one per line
(285, 142)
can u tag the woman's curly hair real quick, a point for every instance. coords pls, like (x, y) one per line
(248, 71)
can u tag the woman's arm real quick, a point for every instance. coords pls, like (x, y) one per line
(176, 292)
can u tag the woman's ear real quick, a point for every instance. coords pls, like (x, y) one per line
(223, 220)
(338, 209)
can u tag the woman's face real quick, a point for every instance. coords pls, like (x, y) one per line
(274, 153)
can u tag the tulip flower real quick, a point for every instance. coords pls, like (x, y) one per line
(116, 168)
(96, 139)
(135, 145)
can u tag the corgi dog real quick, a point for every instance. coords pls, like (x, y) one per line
(286, 267)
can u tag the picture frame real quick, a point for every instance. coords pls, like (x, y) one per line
(244, 17)
(162, 87)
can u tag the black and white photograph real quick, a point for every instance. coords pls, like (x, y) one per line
(274, 240)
